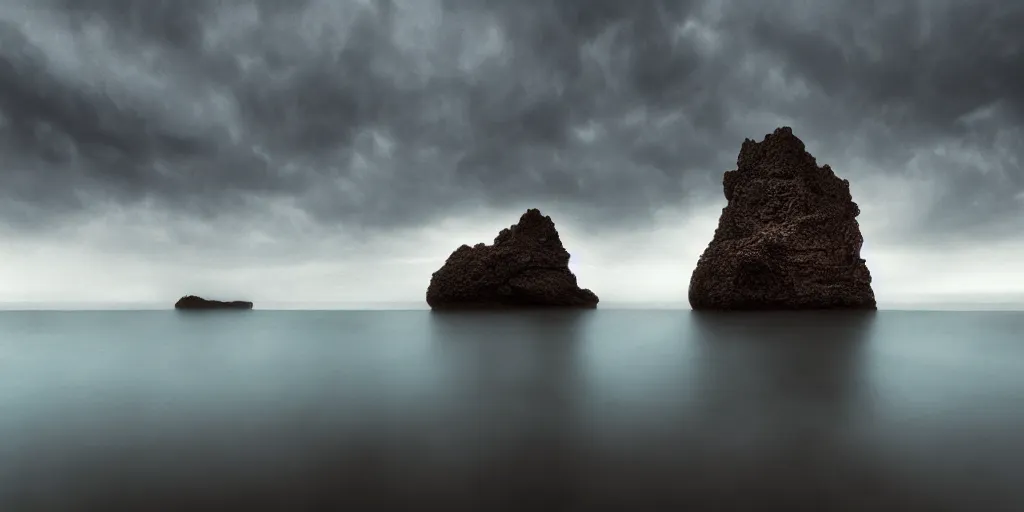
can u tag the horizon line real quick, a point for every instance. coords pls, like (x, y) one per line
(128, 306)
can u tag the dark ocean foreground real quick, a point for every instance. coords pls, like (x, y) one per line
(589, 410)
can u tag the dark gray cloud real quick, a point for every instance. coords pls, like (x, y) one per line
(390, 113)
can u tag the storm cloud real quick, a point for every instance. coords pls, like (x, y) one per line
(387, 117)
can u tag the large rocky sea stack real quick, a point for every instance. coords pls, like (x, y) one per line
(527, 267)
(788, 237)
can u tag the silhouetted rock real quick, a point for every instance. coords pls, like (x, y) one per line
(194, 302)
(788, 238)
(526, 267)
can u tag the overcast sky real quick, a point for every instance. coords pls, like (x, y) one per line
(339, 150)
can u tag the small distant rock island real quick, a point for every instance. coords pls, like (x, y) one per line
(527, 267)
(787, 239)
(194, 302)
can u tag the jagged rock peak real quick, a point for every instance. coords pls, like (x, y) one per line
(780, 151)
(788, 237)
(526, 267)
(533, 227)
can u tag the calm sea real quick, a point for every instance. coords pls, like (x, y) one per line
(606, 410)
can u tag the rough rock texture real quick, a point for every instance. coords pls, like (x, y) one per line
(194, 302)
(526, 267)
(788, 238)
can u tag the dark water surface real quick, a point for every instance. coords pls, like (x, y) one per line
(595, 410)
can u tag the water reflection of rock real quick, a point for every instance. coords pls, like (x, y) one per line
(778, 401)
(513, 382)
(764, 363)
